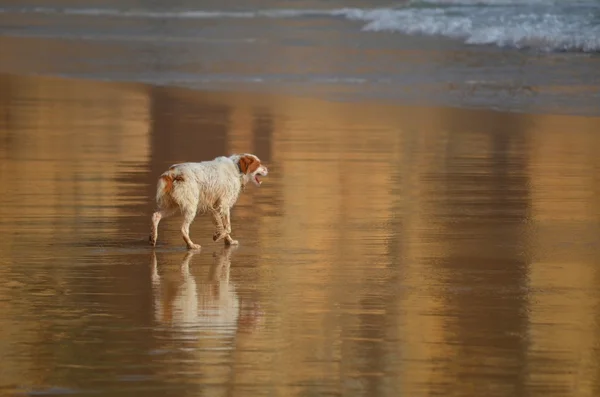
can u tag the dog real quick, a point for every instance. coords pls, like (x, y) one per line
(209, 186)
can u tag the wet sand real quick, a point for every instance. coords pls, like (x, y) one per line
(391, 251)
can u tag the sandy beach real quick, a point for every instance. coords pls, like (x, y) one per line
(429, 226)
(391, 251)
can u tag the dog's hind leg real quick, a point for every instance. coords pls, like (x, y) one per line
(156, 217)
(188, 218)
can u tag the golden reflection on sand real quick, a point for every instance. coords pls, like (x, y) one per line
(394, 251)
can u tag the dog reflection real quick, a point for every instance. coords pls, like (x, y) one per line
(213, 304)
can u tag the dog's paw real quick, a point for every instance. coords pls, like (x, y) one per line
(194, 247)
(231, 241)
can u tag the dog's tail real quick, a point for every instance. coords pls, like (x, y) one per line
(164, 188)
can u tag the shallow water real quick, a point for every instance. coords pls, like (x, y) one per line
(391, 251)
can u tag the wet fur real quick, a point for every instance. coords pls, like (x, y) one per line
(206, 187)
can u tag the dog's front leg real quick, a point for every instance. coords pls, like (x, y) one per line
(227, 224)
(226, 219)
(220, 233)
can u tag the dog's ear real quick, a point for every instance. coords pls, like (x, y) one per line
(248, 164)
(244, 162)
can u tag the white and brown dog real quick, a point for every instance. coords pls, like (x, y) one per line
(208, 186)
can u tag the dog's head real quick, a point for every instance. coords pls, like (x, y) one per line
(250, 167)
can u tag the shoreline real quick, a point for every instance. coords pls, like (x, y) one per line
(225, 94)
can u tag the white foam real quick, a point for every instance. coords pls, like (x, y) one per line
(545, 28)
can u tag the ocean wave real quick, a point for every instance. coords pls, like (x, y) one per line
(548, 25)
(549, 29)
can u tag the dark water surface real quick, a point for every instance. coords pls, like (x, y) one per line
(392, 251)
